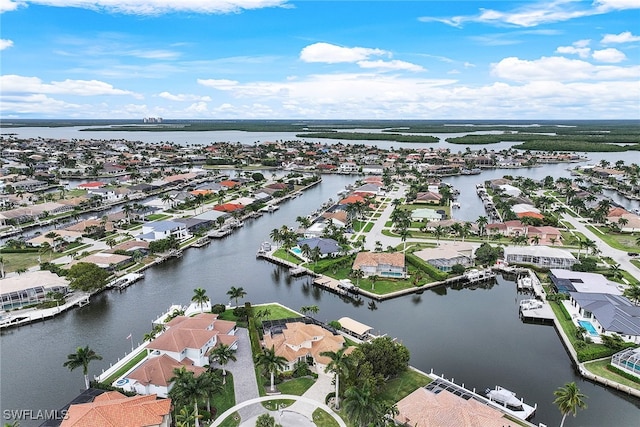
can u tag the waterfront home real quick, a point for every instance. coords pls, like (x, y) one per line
(539, 256)
(381, 264)
(372, 169)
(132, 246)
(545, 234)
(153, 376)
(30, 288)
(193, 337)
(608, 314)
(429, 197)
(507, 228)
(565, 281)
(105, 260)
(425, 215)
(157, 230)
(327, 247)
(441, 407)
(113, 408)
(298, 341)
(446, 255)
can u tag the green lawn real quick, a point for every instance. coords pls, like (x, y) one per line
(156, 217)
(225, 400)
(276, 311)
(296, 386)
(287, 256)
(17, 261)
(621, 241)
(123, 370)
(322, 419)
(599, 367)
(404, 385)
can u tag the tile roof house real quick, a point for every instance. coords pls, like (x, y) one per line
(193, 337)
(113, 409)
(609, 314)
(298, 341)
(381, 264)
(154, 375)
(424, 408)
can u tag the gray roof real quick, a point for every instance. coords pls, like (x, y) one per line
(327, 246)
(614, 312)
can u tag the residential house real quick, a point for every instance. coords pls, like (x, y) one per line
(158, 230)
(446, 255)
(609, 314)
(381, 264)
(154, 375)
(327, 247)
(429, 197)
(539, 256)
(299, 341)
(113, 408)
(565, 281)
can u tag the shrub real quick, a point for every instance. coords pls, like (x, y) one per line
(620, 372)
(433, 272)
(218, 308)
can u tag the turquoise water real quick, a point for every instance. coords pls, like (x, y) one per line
(589, 327)
(296, 250)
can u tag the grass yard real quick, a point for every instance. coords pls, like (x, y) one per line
(621, 241)
(130, 364)
(226, 399)
(322, 419)
(404, 385)
(600, 367)
(296, 386)
(287, 256)
(18, 261)
(276, 311)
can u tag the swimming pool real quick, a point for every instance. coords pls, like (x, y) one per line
(589, 327)
(296, 250)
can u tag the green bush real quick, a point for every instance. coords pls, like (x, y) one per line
(18, 251)
(622, 373)
(421, 265)
(218, 308)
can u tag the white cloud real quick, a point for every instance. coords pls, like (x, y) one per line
(391, 65)
(541, 12)
(624, 37)
(5, 44)
(560, 69)
(609, 55)
(332, 54)
(183, 97)
(14, 84)
(151, 7)
(197, 108)
(220, 84)
(579, 48)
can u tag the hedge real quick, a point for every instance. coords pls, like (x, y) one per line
(19, 251)
(622, 373)
(424, 266)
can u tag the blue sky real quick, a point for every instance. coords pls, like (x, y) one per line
(280, 59)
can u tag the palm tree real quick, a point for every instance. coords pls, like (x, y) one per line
(222, 354)
(404, 233)
(361, 406)
(482, 224)
(200, 297)
(374, 279)
(236, 293)
(187, 388)
(569, 399)
(210, 383)
(82, 357)
(358, 274)
(438, 232)
(632, 293)
(339, 365)
(269, 361)
(309, 309)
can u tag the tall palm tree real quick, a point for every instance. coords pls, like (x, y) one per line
(309, 309)
(211, 383)
(236, 293)
(269, 361)
(200, 297)
(361, 405)
(632, 292)
(82, 357)
(222, 354)
(358, 274)
(339, 365)
(569, 400)
(186, 389)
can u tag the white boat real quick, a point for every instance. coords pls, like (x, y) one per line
(507, 401)
(455, 205)
(530, 304)
(525, 283)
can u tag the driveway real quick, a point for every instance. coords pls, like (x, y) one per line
(244, 378)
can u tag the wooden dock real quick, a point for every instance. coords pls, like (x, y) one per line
(294, 269)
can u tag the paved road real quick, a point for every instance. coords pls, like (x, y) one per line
(617, 255)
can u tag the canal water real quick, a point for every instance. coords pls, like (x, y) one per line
(472, 335)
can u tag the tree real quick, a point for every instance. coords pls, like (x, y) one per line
(82, 357)
(387, 357)
(200, 297)
(358, 274)
(487, 254)
(222, 354)
(569, 400)
(363, 407)
(111, 242)
(632, 292)
(266, 420)
(86, 276)
(186, 389)
(339, 365)
(236, 293)
(269, 361)
(1, 267)
(309, 309)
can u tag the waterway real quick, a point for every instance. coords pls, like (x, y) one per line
(472, 335)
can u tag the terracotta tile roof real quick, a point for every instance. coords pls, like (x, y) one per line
(177, 339)
(375, 258)
(199, 321)
(423, 408)
(296, 334)
(110, 411)
(159, 370)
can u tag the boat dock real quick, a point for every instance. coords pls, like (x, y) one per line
(202, 242)
(31, 315)
(294, 269)
(125, 281)
(219, 233)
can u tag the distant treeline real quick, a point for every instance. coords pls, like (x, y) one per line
(361, 136)
(574, 146)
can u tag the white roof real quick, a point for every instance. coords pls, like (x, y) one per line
(354, 326)
(31, 279)
(538, 250)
